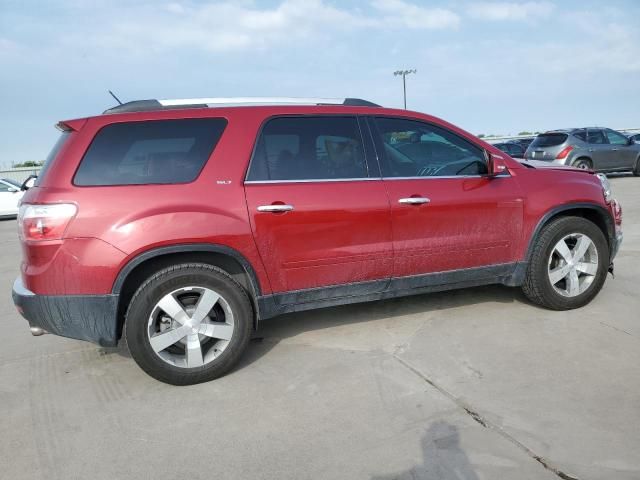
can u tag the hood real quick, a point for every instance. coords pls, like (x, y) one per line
(538, 164)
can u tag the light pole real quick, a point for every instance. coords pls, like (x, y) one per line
(404, 74)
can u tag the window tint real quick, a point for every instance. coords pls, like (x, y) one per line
(138, 153)
(415, 149)
(549, 140)
(596, 137)
(309, 148)
(581, 134)
(616, 138)
(4, 187)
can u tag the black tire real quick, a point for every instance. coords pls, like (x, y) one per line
(537, 285)
(582, 163)
(636, 171)
(176, 277)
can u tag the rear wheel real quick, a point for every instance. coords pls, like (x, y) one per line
(568, 265)
(188, 324)
(582, 164)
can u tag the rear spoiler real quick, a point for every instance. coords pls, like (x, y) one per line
(71, 125)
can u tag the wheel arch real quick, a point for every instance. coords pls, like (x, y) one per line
(583, 157)
(139, 268)
(591, 211)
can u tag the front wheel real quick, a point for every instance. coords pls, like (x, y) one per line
(568, 265)
(636, 170)
(188, 323)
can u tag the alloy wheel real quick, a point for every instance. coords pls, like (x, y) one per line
(573, 264)
(190, 327)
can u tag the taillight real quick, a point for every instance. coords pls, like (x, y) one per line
(45, 222)
(564, 152)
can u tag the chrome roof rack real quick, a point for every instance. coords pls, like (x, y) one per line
(148, 105)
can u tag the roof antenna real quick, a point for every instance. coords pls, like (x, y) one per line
(114, 96)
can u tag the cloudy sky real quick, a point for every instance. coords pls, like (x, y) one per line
(488, 66)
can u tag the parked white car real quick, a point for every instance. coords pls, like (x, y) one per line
(10, 196)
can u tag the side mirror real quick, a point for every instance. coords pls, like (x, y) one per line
(29, 182)
(631, 141)
(495, 164)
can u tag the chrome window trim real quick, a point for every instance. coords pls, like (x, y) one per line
(315, 180)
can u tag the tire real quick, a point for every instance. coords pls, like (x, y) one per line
(200, 307)
(636, 171)
(547, 264)
(582, 163)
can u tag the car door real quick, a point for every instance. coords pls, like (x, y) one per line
(9, 197)
(599, 149)
(623, 154)
(318, 208)
(446, 213)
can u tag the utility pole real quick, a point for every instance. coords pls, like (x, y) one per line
(404, 74)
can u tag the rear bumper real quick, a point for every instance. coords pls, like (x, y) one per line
(84, 317)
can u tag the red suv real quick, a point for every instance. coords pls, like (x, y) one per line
(181, 224)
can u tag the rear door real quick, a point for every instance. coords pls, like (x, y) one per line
(318, 208)
(599, 149)
(447, 214)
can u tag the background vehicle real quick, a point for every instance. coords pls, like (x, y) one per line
(10, 196)
(635, 138)
(187, 222)
(523, 142)
(513, 149)
(600, 149)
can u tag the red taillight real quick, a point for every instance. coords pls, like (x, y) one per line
(564, 152)
(45, 222)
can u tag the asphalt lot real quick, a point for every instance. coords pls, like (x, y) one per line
(471, 384)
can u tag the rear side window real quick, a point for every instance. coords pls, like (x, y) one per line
(549, 140)
(309, 148)
(52, 155)
(151, 152)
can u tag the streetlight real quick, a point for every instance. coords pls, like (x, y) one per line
(404, 74)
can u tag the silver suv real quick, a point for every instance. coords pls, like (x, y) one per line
(600, 149)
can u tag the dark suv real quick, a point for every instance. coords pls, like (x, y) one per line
(181, 224)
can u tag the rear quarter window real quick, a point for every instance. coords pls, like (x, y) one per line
(549, 140)
(149, 152)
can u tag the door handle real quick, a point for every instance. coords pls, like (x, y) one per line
(615, 149)
(414, 200)
(275, 208)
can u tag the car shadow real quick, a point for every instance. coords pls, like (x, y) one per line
(272, 331)
(442, 457)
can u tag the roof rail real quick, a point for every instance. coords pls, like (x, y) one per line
(148, 105)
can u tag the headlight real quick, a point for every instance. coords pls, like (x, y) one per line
(606, 186)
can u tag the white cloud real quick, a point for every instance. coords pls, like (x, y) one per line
(408, 15)
(510, 10)
(239, 25)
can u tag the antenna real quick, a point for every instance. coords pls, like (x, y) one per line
(114, 96)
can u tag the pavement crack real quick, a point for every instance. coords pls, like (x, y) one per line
(486, 423)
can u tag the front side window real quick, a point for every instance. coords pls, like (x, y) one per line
(616, 138)
(309, 148)
(410, 148)
(150, 152)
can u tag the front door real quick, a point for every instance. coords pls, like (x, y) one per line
(623, 154)
(447, 214)
(318, 208)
